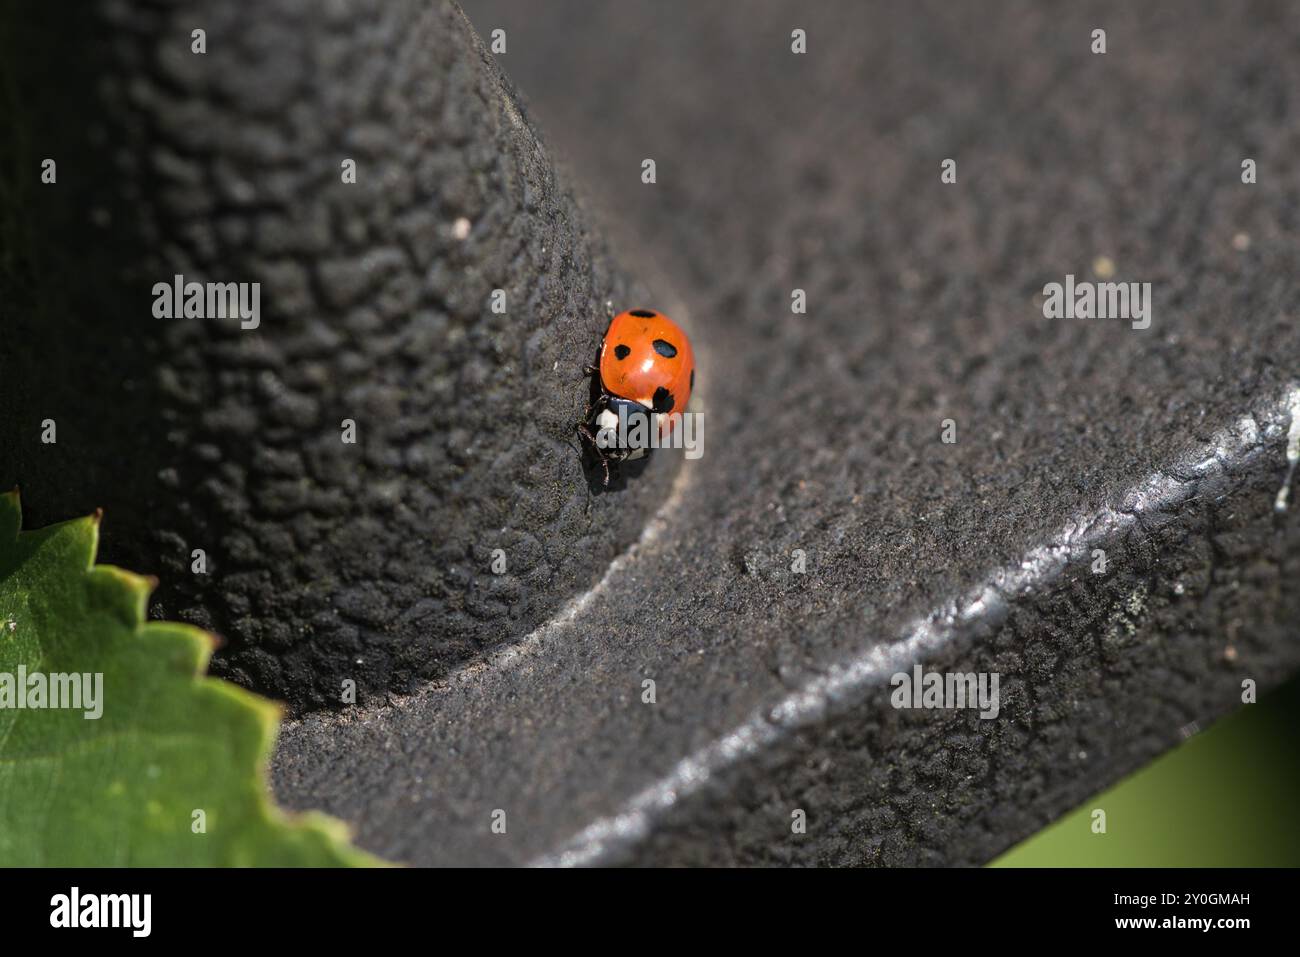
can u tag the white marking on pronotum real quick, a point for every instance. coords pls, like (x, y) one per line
(847, 682)
(1292, 449)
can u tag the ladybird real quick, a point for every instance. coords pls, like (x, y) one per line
(647, 368)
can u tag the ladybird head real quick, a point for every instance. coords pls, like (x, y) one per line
(622, 427)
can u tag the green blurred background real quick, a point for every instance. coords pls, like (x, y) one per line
(1226, 797)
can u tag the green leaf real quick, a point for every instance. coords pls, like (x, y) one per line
(126, 788)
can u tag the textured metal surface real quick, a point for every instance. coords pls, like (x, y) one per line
(1165, 447)
(326, 561)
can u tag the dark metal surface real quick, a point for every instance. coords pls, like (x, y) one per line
(326, 562)
(1164, 447)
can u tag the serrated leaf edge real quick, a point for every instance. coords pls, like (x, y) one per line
(268, 713)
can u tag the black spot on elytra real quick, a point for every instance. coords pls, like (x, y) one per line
(692, 380)
(663, 400)
(622, 352)
(665, 348)
(643, 313)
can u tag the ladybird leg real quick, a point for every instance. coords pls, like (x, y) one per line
(604, 459)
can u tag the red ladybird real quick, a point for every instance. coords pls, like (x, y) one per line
(647, 370)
